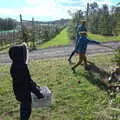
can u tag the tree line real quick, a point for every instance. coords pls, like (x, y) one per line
(100, 20)
(7, 24)
(31, 32)
(39, 32)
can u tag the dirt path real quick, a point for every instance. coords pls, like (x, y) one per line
(1, 118)
(63, 51)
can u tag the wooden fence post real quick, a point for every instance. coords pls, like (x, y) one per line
(33, 33)
(21, 25)
(24, 32)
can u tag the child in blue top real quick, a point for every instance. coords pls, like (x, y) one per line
(81, 48)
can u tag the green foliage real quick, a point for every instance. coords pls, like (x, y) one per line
(7, 24)
(102, 38)
(100, 20)
(117, 56)
(77, 16)
(47, 32)
(117, 28)
(117, 23)
(93, 18)
(25, 35)
(29, 31)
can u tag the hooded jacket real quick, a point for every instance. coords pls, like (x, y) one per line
(82, 44)
(23, 85)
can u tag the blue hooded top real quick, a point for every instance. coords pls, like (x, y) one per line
(23, 85)
(82, 43)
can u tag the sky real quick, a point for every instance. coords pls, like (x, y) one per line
(45, 10)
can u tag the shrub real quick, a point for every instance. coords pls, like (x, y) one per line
(117, 57)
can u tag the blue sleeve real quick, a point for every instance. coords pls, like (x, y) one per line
(93, 42)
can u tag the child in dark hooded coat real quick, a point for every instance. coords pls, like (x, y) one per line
(23, 85)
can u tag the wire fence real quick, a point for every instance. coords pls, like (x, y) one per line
(33, 32)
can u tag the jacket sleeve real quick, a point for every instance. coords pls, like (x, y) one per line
(93, 42)
(32, 85)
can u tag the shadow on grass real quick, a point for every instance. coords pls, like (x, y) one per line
(96, 75)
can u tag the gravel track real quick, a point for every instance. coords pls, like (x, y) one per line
(64, 51)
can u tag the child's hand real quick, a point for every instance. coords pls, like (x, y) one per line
(40, 96)
(38, 87)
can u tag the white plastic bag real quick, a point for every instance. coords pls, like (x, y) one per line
(43, 102)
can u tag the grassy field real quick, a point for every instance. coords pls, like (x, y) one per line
(87, 100)
(60, 39)
(103, 38)
(63, 39)
(4, 48)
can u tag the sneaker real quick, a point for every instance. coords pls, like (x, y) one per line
(73, 69)
(69, 61)
(86, 68)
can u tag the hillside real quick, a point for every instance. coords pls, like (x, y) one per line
(61, 39)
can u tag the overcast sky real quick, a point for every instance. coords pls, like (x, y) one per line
(45, 10)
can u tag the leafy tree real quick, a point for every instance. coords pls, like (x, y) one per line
(106, 28)
(93, 18)
(99, 19)
(117, 21)
(77, 16)
(117, 57)
(7, 24)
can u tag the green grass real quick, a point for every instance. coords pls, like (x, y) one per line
(5, 48)
(102, 38)
(63, 39)
(60, 39)
(71, 100)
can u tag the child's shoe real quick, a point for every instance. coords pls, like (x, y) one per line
(73, 69)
